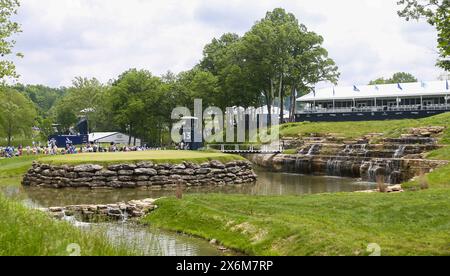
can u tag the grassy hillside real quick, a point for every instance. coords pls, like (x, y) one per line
(413, 223)
(26, 232)
(350, 130)
(410, 223)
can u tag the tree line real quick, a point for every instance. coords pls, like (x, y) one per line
(272, 64)
(278, 57)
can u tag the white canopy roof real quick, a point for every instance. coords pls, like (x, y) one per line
(432, 88)
(100, 135)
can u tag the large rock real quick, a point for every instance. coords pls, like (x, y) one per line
(146, 171)
(87, 168)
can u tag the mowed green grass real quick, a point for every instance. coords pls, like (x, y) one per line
(411, 223)
(133, 157)
(16, 166)
(25, 232)
(351, 130)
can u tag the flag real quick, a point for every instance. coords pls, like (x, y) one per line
(446, 84)
(377, 88)
(423, 84)
(334, 91)
(356, 88)
(399, 86)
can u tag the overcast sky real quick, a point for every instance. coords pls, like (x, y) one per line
(62, 39)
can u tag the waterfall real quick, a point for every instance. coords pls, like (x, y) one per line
(346, 151)
(72, 220)
(334, 167)
(364, 149)
(314, 148)
(303, 166)
(400, 151)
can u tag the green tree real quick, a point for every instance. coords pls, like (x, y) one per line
(17, 114)
(8, 8)
(85, 98)
(138, 104)
(43, 96)
(46, 128)
(281, 53)
(436, 13)
(66, 118)
(225, 60)
(400, 77)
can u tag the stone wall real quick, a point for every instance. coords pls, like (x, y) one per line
(116, 211)
(142, 174)
(394, 170)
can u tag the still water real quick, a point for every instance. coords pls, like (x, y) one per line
(152, 241)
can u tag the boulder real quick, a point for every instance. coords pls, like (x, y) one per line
(87, 168)
(145, 171)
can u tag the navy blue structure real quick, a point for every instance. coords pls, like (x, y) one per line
(62, 141)
(82, 127)
(366, 116)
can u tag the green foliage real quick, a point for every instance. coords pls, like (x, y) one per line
(411, 223)
(85, 98)
(277, 57)
(8, 9)
(26, 232)
(17, 114)
(43, 97)
(436, 13)
(139, 104)
(400, 77)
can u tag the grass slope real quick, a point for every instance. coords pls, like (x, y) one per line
(11, 167)
(25, 232)
(350, 130)
(133, 157)
(413, 223)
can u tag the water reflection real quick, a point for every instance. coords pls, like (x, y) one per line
(154, 241)
(268, 184)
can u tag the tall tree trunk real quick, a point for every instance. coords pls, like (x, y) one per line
(9, 133)
(281, 95)
(129, 134)
(293, 104)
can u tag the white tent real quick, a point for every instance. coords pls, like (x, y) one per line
(112, 137)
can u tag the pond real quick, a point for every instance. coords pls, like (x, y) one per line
(152, 241)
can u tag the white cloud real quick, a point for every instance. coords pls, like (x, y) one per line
(98, 38)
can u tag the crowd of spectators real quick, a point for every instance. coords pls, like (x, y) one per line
(52, 149)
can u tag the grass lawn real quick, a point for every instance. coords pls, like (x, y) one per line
(25, 232)
(351, 130)
(412, 223)
(16, 166)
(133, 157)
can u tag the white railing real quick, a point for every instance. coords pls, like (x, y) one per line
(246, 148)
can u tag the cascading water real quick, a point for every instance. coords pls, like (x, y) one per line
(400, 151)
(314, 148)
(334, 167)
(303, 165)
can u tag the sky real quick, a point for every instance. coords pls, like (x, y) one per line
(63, 39)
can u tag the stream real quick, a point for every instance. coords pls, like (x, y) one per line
(155, 242)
